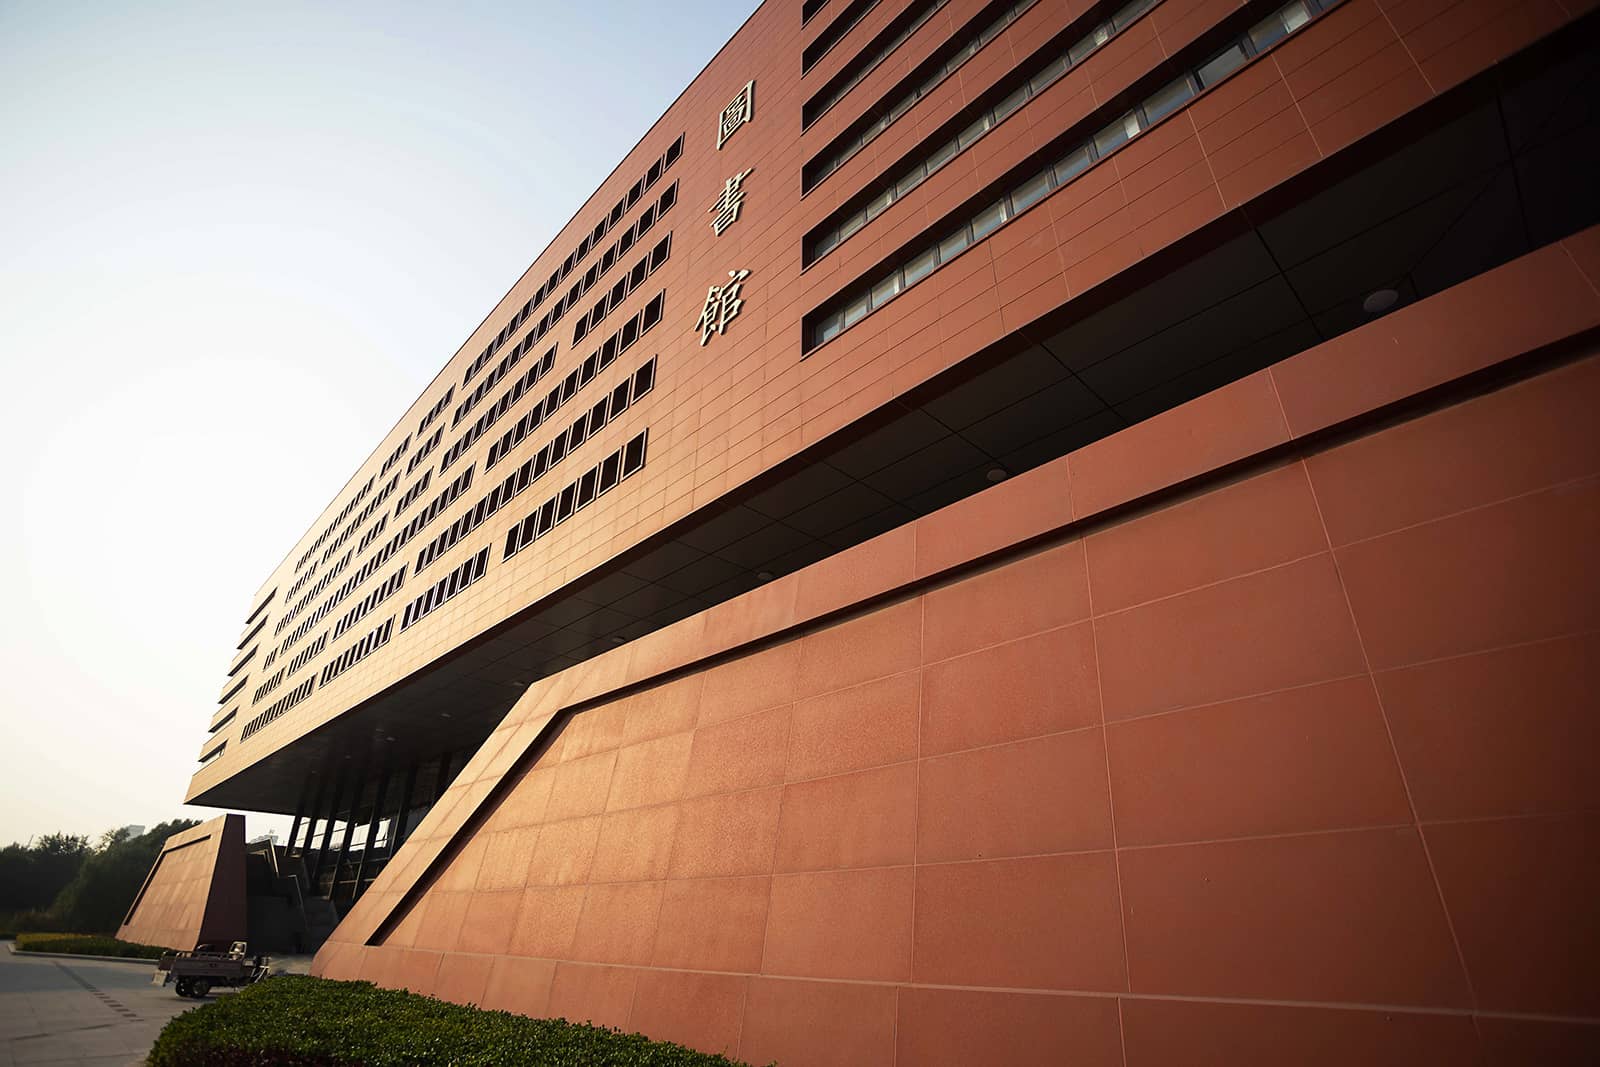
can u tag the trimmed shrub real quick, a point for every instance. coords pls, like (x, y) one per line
(303, 1021)
(87, 945)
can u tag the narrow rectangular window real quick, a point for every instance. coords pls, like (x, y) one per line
(610, 471)
(633, 456)
(644, 379)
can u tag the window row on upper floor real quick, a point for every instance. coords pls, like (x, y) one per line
(486, 420)
(834, 32)
(310, 596)
(993, 108)
(327, 531)
(425, 448)
(638, 189)
(624, 287)
(582, 491)
(437, 409)
(281, 705)
(446, 588)
(362, 516)
(619, 342)
(876, 51)
(394, 457)
(376, 639)
(1032, 183)
(410, 496)
(586, 425)
(965, 44)
(401, 538)
(646, 219)
(366, 604)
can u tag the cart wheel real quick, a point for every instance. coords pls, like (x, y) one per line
(200, 987)
(183, 987)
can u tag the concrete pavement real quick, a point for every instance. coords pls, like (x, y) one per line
(80, 1012)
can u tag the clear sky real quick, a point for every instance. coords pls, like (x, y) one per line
(236, 241)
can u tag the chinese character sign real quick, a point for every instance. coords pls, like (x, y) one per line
(740, 111)
(725, 211)
(722, 306)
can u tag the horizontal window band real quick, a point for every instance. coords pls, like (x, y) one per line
(1033, 183)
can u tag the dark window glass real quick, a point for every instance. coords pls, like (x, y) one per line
(610, 471)
(633, 456)
(652, 310)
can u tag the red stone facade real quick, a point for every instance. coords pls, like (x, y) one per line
(195, 891)
(1245, 716)
(1256, 733)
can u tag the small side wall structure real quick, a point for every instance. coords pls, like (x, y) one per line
(195, 892)
(1259, 732)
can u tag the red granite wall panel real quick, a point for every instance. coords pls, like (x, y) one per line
(195, 892)
(1286, 764)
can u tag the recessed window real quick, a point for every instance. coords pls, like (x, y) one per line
(1027, 189)
(886, 289)
(1168, 100)
(919, 267)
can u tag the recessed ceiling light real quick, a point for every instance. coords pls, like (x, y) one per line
(765, 576)
(996, 474)
(1380, 300)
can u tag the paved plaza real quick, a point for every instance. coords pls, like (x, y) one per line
(70, 1012)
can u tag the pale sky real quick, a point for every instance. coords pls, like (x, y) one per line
(236, 241)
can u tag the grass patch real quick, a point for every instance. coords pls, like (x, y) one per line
(305, 1021)
(87, 945)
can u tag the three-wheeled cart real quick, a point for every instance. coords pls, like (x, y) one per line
(197, 973)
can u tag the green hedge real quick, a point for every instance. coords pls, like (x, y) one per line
(298, 1020)
(87, 945)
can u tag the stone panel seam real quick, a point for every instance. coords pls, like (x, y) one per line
(1394, 750)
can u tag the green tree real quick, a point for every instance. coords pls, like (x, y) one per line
(96, 900)
(32, 875)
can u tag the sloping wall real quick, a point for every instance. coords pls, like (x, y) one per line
(1256, 733)
(194, 894)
